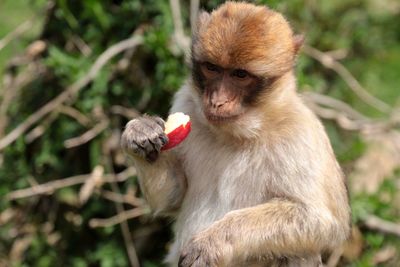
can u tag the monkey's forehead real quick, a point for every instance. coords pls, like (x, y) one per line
(242, 35)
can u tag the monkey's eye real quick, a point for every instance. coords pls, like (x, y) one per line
(211, 67)
(240, 73)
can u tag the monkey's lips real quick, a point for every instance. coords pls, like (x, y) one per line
(218, 119)
(177, 128)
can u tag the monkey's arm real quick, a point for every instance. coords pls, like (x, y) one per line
(278, 228)
(283, 227)
(162, 182)
(160, 174)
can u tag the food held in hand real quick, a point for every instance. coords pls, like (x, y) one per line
(177, 128)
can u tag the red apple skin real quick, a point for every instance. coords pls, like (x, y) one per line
(177, 136)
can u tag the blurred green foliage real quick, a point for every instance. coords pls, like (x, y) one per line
(367, 30)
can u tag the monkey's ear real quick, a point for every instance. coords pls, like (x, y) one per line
(298, 41)
(202, 20)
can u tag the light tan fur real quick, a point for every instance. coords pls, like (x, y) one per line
(265, 190)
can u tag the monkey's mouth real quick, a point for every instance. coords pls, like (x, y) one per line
(217, 119)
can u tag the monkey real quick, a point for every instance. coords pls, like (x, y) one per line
(256, 182)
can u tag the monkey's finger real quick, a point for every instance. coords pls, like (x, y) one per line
(160, 122)
(132, 147)
(152, 124)
(159, 141)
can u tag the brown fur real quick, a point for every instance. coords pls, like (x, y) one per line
(261, 189)
(240, 34)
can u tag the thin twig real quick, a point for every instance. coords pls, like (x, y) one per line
(194, 13)
(87, 136)
(50, 187)
(330, 63)
(345, 117)
(40, 129)
(74, 113)
(341, 119)
(71, 90)
(15, 33)
(11, 89)
(126, 233)
(95, 180)
(128, 113)
(375, 223)
(127, 199)
(336, 104)
(334, 258)
(181, 39)
(117, 219)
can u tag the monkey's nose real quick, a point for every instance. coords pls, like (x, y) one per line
(218, 104)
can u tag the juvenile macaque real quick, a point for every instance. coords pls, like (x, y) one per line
(256, 182)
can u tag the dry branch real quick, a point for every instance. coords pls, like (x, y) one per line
(126, 233)
(181, 40)
(76, 114)
(11, 88)
(194, 13)
(87, 136)
(71, 90)
(375, 223)
(90, 184)
(14, 34)
(330, 63)
(335, 104)
(329, 108)
(50, 187)
(128, 113)
(334, 258)
(127, 199)
(117, 219)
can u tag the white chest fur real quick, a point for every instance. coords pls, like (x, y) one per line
(220, 178)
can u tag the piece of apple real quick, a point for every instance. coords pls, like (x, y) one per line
(177, 128)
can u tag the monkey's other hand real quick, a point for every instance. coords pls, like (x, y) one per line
(144, 137)
(205, 249)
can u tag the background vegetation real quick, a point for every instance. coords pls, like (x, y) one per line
(74, 72)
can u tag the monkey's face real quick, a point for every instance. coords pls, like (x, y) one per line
(239, 51)
(226, 93)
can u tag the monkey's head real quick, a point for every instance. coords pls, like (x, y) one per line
(239, 53)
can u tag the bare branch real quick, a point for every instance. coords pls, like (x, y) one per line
(336, 104)
(181, 39)
(375, 223)
(50, 187)
(14, 34)
(40, 129)
(347, 117)
(87, 136)
(95, 180)
(330, 63)
(194, 13)
(117, 219)
(11, 88)
(74, 113)
(334, 258)
(341, 119)
(128, 113)
(126, 233)
(71, 90)
(128, 199)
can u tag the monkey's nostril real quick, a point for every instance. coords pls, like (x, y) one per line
(220, 104)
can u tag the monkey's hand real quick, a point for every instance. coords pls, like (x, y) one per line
(207, 248)
(144, 137)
